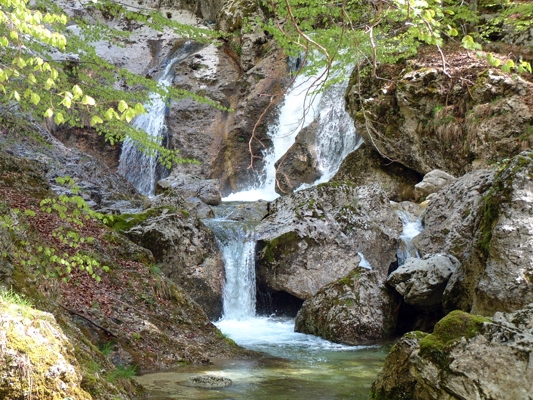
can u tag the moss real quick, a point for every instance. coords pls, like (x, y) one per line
(124, 222)
(273, 248)
(448, 331)
(350, 278)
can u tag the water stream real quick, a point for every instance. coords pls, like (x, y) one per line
(141, 169)
(412, 226)
(295, 365)
(335, 138)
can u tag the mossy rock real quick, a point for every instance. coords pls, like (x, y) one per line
(448, 331)
(125, 222)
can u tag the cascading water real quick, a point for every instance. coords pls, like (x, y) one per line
(335, 139)
(411, 227)
(237, 242)
(136, 166)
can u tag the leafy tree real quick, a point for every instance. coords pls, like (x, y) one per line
(346, 32)
(57, 74)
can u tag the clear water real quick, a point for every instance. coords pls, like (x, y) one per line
(304, 373)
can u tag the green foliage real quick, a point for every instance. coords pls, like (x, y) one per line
(10, 297)
(56, 261)
(338, 35)
(121, 372)
(56, 74)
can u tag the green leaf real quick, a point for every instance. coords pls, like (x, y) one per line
(35, 98)
(76, 90)
(48, 113)
(88, 101)
(95, 120)
(122, 106)
(59, 119)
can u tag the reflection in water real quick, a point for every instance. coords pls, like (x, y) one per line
(317, 374)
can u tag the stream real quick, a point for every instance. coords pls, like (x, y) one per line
(294, 365)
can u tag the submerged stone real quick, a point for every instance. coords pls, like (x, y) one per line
(209, 381)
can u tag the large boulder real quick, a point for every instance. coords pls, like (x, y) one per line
(366, 166)
(426, 119)
(186, 186)
(318, 235)
(185, 250)
(37, 359)
(432, 182)
(504, 256)
(299, 164)
(357, 309)
(485, 222)
(421, 282)
(466, 357)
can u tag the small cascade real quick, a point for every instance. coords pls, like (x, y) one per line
(140, 168)
(237, 242)
(411, 227)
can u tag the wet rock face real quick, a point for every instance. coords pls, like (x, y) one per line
(36, 356)
(428, 121)
(313, 237)
(357, 309)
(187, 253)
(219, 139)
(466, 356)
(421, 282)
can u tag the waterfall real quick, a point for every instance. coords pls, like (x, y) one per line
(335, 139)
(141, 168)
(237, 242)
(411, 228)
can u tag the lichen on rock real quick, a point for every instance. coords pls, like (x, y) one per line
(36, 358)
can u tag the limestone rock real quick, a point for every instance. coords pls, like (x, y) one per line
(505, 241)
(357, 309)
(466, 357)
(36, 358)
(433, 182)
(187, 253)
(485, 222)
(421, 282)
(365, 166)
(314, 237)
(186, 186)
(428, 121)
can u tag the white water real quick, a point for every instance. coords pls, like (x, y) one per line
(411, 227)
(138, 167)
(335, 138)
(273, 335)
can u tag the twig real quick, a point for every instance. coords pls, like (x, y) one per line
(87, 319)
